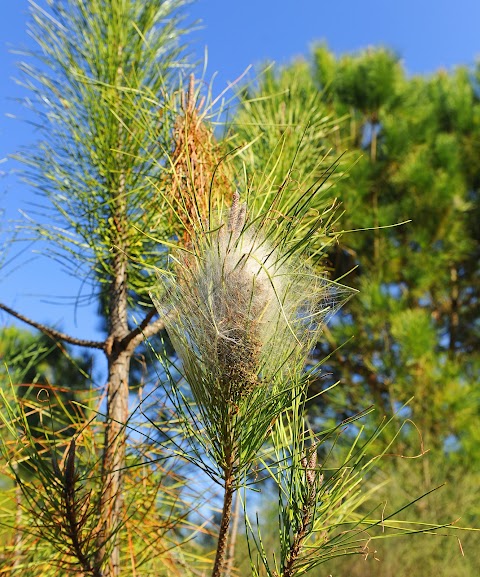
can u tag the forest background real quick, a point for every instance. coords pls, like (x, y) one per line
(410, 147)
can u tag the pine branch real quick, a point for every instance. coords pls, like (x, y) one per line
(233, 536)
(52, 332)
(296, 548)
(72, 506)
(144, 330)
(153, 329)
(224, 525)
(301, 533)
(309, 462)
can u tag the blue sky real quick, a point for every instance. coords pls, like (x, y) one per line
(426, 34)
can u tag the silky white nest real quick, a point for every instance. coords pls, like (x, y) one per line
(238, 313)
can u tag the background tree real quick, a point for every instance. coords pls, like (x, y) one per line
(414, 317)
(412, 144)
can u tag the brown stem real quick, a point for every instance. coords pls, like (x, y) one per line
(224, 525)
(233, 536)
(373, 159)
(52, 332)
(113, 461)
(113, 464)
(73, 523)
(150, 330)
(374, 139)
(144, 330)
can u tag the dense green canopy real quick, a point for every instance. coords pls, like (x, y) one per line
(411, 199)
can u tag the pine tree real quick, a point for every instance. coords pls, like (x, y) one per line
(410, 197)
(101, 66)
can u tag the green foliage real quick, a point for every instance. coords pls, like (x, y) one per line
(37, 359)
(331, 505)
(101, 68)
(415, 321)
(285, 134)
(46, 375)
(366, 82)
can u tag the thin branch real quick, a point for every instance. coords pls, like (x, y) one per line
(153, 329)
(52, 332)
(233, 536)
(73, 505)
(224, 525)
(144, 330)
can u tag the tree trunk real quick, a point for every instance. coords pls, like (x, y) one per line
(113, 463)
(119, 356)
(373, 158)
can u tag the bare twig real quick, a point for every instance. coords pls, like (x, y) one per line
(153, 329)
(233, 536)
(224, 525)
(144, 330)
(52, 332)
